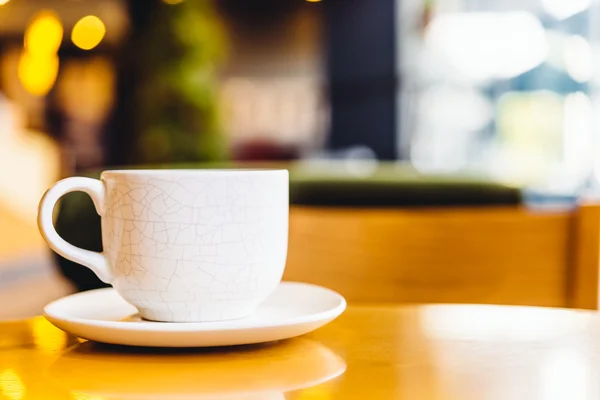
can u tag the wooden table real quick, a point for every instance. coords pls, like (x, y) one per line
(412, 352)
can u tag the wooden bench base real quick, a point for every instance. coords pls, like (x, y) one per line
(504, 255)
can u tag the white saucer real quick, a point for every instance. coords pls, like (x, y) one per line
(103, 316)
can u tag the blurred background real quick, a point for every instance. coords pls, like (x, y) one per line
(501, 90)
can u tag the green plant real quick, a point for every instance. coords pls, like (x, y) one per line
(172, 56)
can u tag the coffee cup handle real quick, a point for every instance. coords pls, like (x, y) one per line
(95, 261)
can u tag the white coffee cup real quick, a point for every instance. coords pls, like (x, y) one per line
(183, 245)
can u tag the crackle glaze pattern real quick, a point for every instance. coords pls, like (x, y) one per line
(195, 245)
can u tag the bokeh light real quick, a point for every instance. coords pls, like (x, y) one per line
(579, 58)
(88, 32)
(172, 1)
(38, 64)
(3, 2)
(38, 73)
(44, 34)
(485, 45)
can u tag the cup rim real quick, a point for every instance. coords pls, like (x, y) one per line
(217, 171)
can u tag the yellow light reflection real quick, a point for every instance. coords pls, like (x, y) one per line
(84, 396)
(11, 385)
(3, 2)
(313, 1)
(315, 392)
(38, 73)
(172, 1)
(47, 337)
(44, 34)
(88, 32)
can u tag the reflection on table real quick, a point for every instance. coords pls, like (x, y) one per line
(434, 352)
(44, 361)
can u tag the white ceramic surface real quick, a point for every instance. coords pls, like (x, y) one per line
(102, 315)
(184, 245)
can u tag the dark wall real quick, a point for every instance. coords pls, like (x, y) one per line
(361, 69)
